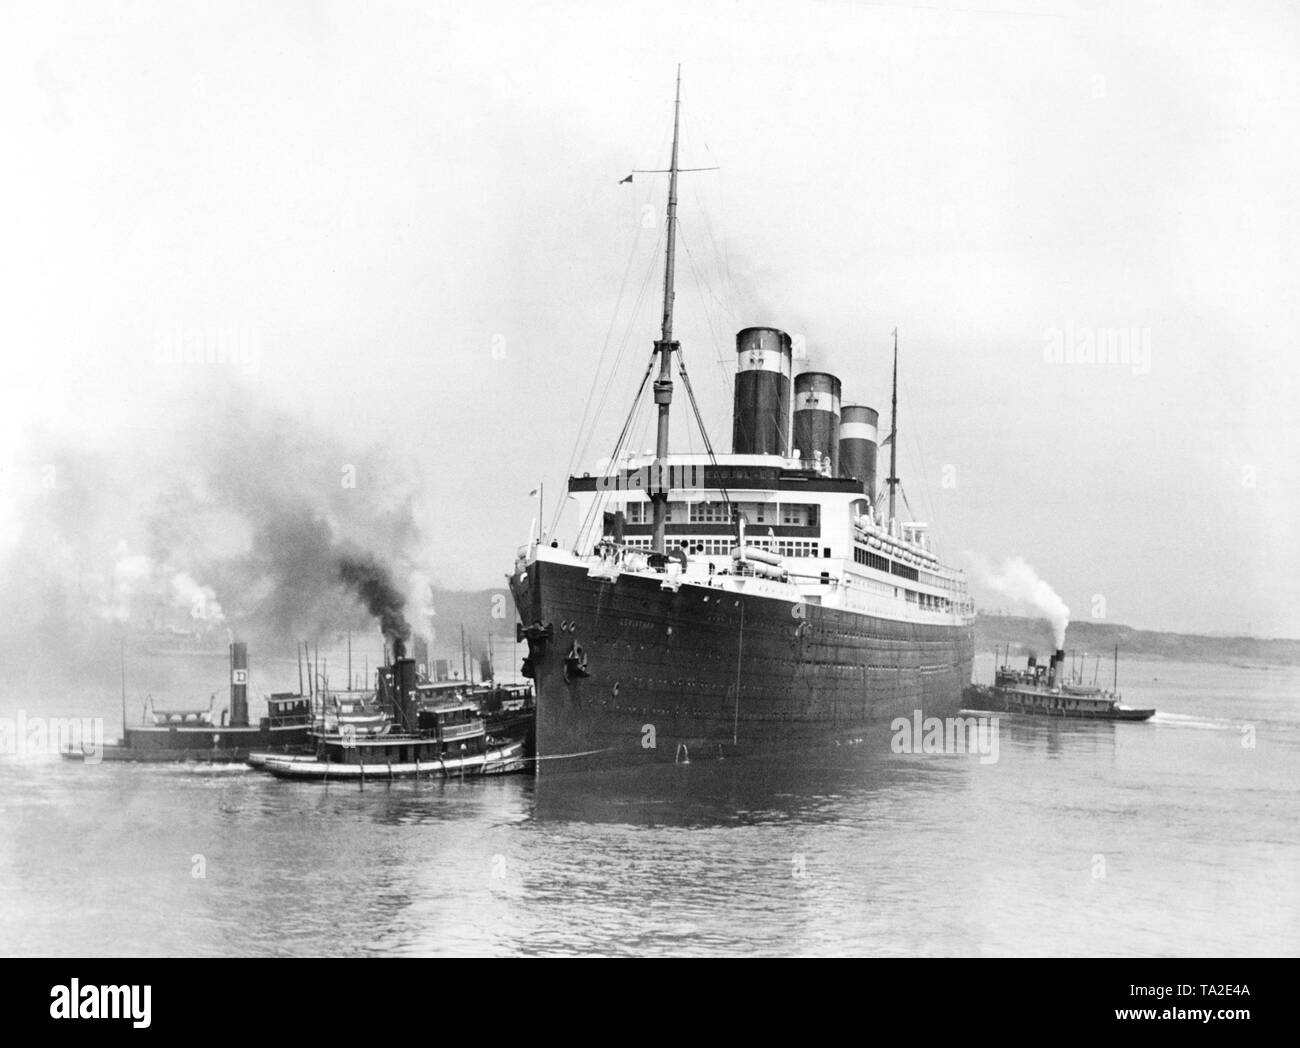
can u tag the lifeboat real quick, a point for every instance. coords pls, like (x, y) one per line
(754, 553)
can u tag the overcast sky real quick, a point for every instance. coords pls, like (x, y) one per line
(412, 212)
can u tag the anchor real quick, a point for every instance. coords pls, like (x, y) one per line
(575, 663)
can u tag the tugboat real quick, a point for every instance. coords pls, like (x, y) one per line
(1044, 691)
(195, 735)
(510, 714)
(509, 711)
(428, 736)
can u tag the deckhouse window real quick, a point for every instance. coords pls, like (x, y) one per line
(871, 560)
(709, 513)
(798, 513)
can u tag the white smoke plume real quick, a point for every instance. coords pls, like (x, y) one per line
(136, 584)
(1016, 580)
(129, 576)
(201, 600)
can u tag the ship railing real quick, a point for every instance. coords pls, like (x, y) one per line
(616, 555)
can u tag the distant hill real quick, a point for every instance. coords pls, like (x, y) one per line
(1033, 635)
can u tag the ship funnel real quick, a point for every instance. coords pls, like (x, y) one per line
(764, 364)
(405, 702)
(858, 443)
(1056, 675)
(817, 418)
(239, 684)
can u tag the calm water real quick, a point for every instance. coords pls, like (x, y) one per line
(1162, 838)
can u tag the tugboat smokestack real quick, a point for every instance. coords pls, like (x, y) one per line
(1057, 676)
(405, 700)
(238, 684)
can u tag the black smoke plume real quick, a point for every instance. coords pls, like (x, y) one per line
(373, 583)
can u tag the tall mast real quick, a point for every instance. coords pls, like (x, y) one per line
(893, 437)
(667, 335)
(665, 346)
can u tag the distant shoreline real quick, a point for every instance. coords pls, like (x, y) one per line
(1027, 635)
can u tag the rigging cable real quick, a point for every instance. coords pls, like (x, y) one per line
(699, 421)
(613, 374)
(598, 502)
(913, 436)
(604, 349)
(623, 345)
(701, 285)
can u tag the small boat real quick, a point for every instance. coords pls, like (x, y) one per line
(177, 734)
(451, 741)
(426, 735)
(510, 714)
(1044, 691)
(509, 710)
(192, 718)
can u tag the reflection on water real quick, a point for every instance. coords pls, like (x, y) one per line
(811, 788)
(1169, 837)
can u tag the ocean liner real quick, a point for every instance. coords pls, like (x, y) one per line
(768, 600)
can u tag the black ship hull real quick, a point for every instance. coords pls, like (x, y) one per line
(206, 743)
(702, 672)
